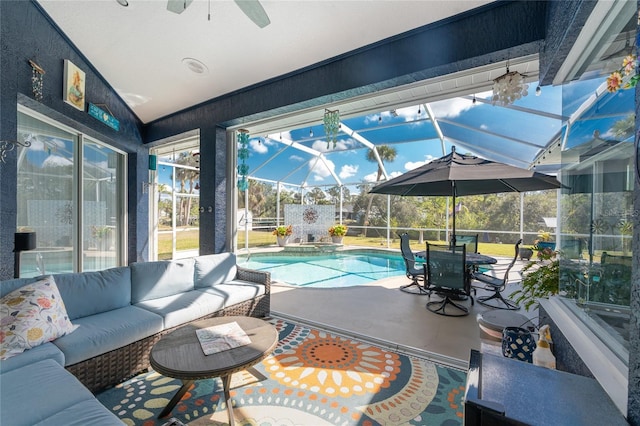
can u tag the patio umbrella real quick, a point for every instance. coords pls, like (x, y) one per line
(455, 174)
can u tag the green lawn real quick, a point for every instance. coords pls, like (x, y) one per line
(189, 240)
(265, 239)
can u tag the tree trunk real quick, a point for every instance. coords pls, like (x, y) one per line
(368, 211)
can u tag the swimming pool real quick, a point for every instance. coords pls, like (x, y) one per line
(338, 269)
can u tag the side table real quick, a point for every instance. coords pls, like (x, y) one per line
(179, 355)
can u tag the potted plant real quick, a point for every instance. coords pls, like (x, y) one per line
(100, 234)
(540, 279)
(337, 233)
(544, 241)
(282, 234)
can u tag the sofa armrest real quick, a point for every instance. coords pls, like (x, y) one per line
(252, 275)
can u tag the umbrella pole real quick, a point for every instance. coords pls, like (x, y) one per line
(453, 235)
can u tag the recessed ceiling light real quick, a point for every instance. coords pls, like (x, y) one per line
(195, 66)
(124, 3)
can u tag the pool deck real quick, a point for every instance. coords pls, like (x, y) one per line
(380, 312)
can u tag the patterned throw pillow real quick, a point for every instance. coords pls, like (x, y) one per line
(30, 316)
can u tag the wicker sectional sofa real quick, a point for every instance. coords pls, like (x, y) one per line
(119, 313)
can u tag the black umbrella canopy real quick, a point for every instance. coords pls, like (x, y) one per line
(456, 174)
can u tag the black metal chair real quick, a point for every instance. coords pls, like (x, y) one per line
(446, 273)
(497, 284)
(616, 276)
(416, 275)
(471, 241)
(571, 248)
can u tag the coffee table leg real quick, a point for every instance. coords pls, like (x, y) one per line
(186, 384)
(226, 384)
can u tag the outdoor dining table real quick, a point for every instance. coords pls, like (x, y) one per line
(471, 259)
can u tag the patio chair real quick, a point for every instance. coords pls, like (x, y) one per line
(616, 276)
(497, 282)
(571, 248)
(446, 273)
(416, 275)
(470, 241)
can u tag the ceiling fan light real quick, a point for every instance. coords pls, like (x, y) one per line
(195, 66)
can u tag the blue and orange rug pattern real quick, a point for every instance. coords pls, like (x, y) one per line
(314, 378)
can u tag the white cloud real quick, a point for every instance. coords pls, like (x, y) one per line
(321, 145)
(320, 170)
(258, 147)
(451, 108)
(296, 158)
(372, 176)
(484, 127)
(348, 171)
(56, 161)
(410, 165)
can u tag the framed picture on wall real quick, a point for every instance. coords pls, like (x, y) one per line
(73, 88)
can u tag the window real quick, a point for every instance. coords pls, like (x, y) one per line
(176, 200)
(75, 207)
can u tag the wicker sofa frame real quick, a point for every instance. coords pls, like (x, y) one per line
(113, 367)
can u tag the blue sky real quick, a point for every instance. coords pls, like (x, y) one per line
(510, 135)
(414, 137)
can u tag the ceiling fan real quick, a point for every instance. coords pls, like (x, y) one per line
(252, 8)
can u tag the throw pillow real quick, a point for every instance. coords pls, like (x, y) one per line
(30, 316)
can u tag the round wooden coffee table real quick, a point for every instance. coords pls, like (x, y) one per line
(179, 355)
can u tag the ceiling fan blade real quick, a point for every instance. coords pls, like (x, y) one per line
(254, 10)
(178, 6)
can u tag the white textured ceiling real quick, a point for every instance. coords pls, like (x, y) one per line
(139, 49)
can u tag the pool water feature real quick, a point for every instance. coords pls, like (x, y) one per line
(338, 269)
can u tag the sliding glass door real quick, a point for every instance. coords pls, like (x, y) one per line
(75, 207)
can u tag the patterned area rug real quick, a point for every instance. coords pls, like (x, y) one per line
(312, 378)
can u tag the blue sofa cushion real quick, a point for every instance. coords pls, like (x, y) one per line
(151, 280)
(184, 307)
(36, 392)
(104, 332)
(215, 269)
(90, 293)
(236, 291)
(9, 285)
(45, 351)
(90, 412)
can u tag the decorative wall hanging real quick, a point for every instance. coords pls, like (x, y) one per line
(6, 146)
(37, 74)
(104, 117)
(243, 155)
(626, 77)
(331, 126)
(74, 85)
(310, 215)
(509, 87)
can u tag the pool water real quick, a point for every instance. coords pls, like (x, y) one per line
(327, 270)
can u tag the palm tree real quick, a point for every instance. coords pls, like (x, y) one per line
(186, 175)
(386, 153)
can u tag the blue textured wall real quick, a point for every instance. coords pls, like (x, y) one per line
(564, 23)
(26, 33)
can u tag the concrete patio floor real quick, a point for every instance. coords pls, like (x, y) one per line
(381, 312)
